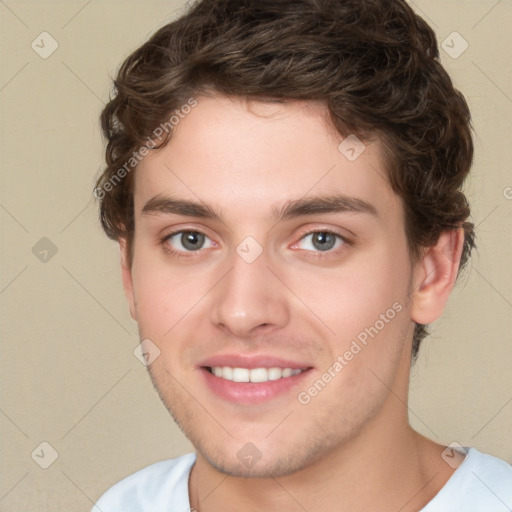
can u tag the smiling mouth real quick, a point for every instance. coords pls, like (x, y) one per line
(237, 374)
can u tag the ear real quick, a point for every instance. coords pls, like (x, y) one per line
(435, 275)
(126, 274)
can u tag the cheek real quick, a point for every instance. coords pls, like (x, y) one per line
(368, 290)
(163, 295)
(170, 300)
(376, 312)
(364, 306)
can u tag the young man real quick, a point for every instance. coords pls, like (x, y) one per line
(284, 180)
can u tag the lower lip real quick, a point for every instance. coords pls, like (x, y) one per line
(251, 393)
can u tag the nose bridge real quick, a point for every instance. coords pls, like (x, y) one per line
(250, 297)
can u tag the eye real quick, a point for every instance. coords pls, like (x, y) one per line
(187, 241)
(320, 241)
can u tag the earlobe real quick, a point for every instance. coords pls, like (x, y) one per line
(126, 274)
(435, 276)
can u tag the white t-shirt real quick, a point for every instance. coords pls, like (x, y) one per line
(482, 483)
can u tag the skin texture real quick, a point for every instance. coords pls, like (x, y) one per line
(247, 161)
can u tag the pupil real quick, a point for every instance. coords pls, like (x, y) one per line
(324, 241)
(192, 241)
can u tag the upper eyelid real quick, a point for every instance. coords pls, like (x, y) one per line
(344, 239)
(306, 232)
(181, 231)
(333, 231)
(165, 243)
(189, 229)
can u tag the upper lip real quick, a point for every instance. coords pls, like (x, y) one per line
(254, 361)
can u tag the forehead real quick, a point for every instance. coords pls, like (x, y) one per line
(256, 155)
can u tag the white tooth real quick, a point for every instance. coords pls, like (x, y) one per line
(287, 372)
(274, 373)
(253, 375)
(227, 373)
(240, 375)
(259, 375)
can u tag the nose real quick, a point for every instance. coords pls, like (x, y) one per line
(250, 300)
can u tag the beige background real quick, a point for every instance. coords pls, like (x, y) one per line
(69, 376)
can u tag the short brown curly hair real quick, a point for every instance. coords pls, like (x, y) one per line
(373, 63)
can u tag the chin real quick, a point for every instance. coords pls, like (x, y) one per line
(261, 459)
(269, 466)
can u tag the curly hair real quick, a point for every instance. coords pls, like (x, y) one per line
(373, 63)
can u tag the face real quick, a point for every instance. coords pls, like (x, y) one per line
(272, 274)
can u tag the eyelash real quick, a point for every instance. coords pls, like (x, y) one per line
(345, 242)
(182, 254)
(316, 254)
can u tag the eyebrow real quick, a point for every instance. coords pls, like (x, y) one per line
(168, 205)
(338, 203)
